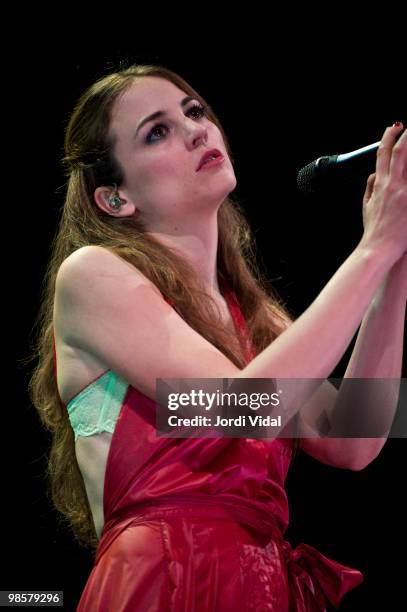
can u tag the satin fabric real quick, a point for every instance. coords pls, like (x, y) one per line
(197, 525)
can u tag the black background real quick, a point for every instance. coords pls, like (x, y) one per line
(281, 106)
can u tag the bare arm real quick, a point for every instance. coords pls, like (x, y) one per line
(377, 354)
(377, 357)
(314, 344)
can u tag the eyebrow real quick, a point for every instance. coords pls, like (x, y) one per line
(160, 114)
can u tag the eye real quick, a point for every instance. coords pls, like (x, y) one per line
(198, 109)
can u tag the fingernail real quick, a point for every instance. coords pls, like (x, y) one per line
(397, 124)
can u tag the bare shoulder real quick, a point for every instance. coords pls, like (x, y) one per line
(85, 266)
(109, 310)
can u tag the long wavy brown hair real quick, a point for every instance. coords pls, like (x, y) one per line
(89, 162)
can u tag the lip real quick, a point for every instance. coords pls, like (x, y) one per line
(209, 153)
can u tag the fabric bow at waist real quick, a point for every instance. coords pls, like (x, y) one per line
(315, 579)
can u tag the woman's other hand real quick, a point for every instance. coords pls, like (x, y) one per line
(385, 198)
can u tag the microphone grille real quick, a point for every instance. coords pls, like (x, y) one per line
(305, 178)
(309, 177)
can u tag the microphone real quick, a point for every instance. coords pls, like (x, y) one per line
(330, 170)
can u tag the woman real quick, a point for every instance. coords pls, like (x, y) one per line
(152, 276)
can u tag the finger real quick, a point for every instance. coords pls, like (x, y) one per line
(369, 188)
(383, 156)
(398, 162)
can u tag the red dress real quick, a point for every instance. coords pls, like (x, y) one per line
(197, 524)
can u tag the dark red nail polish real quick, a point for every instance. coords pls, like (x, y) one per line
(397, 124)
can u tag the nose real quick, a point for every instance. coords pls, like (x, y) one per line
(196, 134)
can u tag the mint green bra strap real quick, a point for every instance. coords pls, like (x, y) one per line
(96, 408)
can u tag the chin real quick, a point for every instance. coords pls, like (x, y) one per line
(224, 190)
(230, 185)
(234, 184)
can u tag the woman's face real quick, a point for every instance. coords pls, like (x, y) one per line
(160, 157)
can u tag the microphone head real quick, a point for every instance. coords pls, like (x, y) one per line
(311, 177)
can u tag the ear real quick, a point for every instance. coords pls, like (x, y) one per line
(101, 197)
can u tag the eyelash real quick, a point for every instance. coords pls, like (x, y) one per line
(195, 107)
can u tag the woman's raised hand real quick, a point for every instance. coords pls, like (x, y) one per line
(385, 198)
